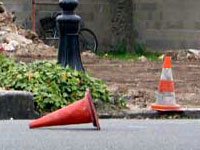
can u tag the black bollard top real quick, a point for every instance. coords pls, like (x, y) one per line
(69, 20)
(68, 5)
(69, 25)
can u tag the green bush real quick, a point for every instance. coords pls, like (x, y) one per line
(52, 85)
(121, 51)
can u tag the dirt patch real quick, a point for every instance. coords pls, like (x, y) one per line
(138, 80)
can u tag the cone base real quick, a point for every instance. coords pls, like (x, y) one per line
(95, 119)
(159, 107)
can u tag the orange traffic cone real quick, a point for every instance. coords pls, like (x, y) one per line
(165, 97)
(82, 111)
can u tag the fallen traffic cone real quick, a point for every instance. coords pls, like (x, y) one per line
(82, 111)
(165, 97)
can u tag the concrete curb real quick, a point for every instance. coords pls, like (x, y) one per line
(192, 113)
(149, 114)
(17, 105)
(20, 105)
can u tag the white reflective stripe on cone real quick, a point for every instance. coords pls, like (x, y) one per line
(166, 74)
(165, 98)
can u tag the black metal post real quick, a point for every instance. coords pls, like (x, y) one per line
(69, 26)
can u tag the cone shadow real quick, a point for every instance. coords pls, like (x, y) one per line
(68, 129)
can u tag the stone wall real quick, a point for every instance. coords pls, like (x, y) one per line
(122, 21)
(170, 24)
(22, 9)
(111, 20)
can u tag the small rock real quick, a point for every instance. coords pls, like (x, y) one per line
(88, 54)
(2, 8)
(14, 43)
(194, 51)
(2, 33)
(8, 47)
(6, 29)
(143, 59)
(2, 89)
(140, 98)
(114, 88)
(161, 57)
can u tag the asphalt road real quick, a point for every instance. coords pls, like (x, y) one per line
(115, 135)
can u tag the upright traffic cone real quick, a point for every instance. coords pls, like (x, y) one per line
(165, 97)
(82, 111)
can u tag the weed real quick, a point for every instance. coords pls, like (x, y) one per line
(122, 52)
